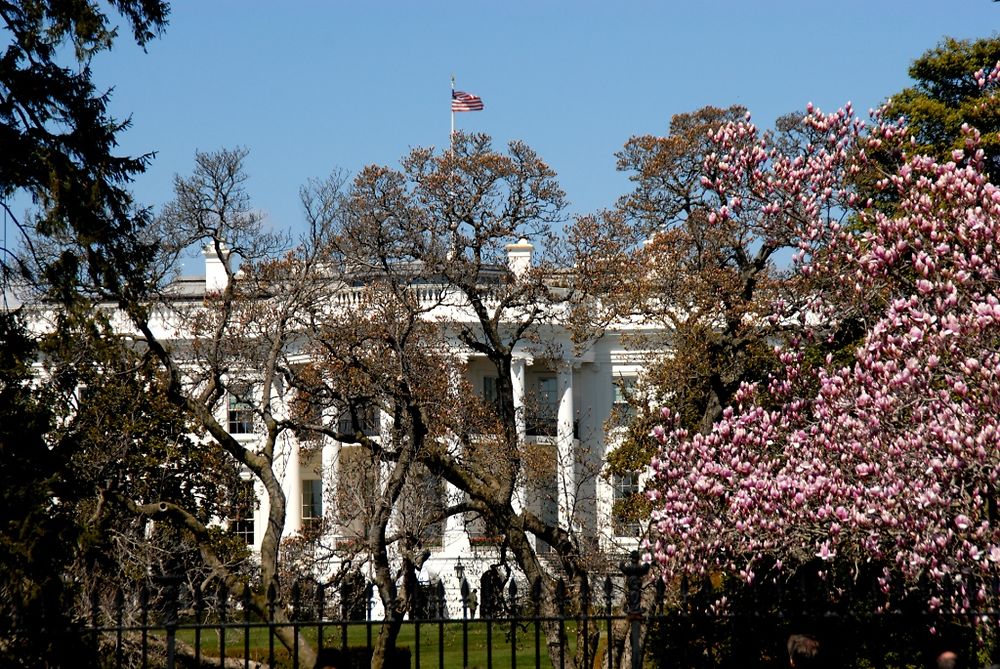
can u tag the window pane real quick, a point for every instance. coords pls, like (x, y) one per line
(543, 408)
(624, 409)
(240, 409)
(368, 419)
(241, 524)
(626, 490)
(312, 503)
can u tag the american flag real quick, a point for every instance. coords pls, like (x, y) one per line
(463, 102)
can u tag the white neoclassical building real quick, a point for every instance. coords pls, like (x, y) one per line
(570, 404)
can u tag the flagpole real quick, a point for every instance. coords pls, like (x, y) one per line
(451, 137)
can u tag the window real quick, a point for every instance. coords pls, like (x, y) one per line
(491, 391)
(241, 524)
(627, 492)
(312, 504)
(240, 409)
(368, 421)
(357, 490)
(543, 408)
(423, 499)
(623, 410)
(307, 412)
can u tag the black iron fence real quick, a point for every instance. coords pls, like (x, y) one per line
(162, 624)
(158, 625)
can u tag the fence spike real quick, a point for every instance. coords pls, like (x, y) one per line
(223, 600)
(561, 595)
(95, 607)
(441, 600)
(320, 601)
(199, 602)
(245, 599)
(120, 606)
(486, 597)
(609, 589)
(296, 601)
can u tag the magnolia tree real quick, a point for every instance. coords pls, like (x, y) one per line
(889, 463)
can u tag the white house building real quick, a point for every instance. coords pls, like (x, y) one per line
(565, 400)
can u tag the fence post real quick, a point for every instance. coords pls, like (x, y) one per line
(440, 616)
(514, 615)
(464, 591)
(634, 571)
(170, 581)
(608, 592)
(320, 612)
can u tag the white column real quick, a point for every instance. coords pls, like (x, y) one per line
(518, 377)
(566, 447)
(518, 368)
(328, 476)
(260, 514)
(293, 486)
(454, 525)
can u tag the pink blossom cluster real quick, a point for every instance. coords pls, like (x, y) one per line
(893, 460)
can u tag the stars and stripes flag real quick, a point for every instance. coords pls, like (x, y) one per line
(465, 102)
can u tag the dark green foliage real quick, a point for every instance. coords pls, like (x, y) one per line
(946, 94)
(58, 146)
(58, 139)
(838, 608)
(39, 534)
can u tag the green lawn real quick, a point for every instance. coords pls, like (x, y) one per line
(430, 647)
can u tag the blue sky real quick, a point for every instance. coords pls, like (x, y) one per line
(309, 87)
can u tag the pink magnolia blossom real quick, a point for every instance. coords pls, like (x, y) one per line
(893, 459)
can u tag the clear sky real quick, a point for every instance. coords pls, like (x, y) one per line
(313, 86)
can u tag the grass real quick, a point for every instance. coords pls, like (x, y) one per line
(434, 650)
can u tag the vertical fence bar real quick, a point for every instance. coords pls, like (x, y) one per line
(488, 609)
(345, 615)
(585, 612)
(272, 596)
(536, 596)
(441, 612)
(119, 626)
(296, 616)
(369, 590)
(416, 643)
(144, 621)
(610, 642)
(634, 571)
(320, 612)
(561, 608)
(421, 609)
(223, 603)
(199, 607)
(464, 591)
(246, 626)
(95, 604)
(685, 590)
(514, 620)
(171, 597)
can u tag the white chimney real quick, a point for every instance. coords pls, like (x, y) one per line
(519, 257)
(215, 271)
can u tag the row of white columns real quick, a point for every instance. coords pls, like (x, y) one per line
(566, 456)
